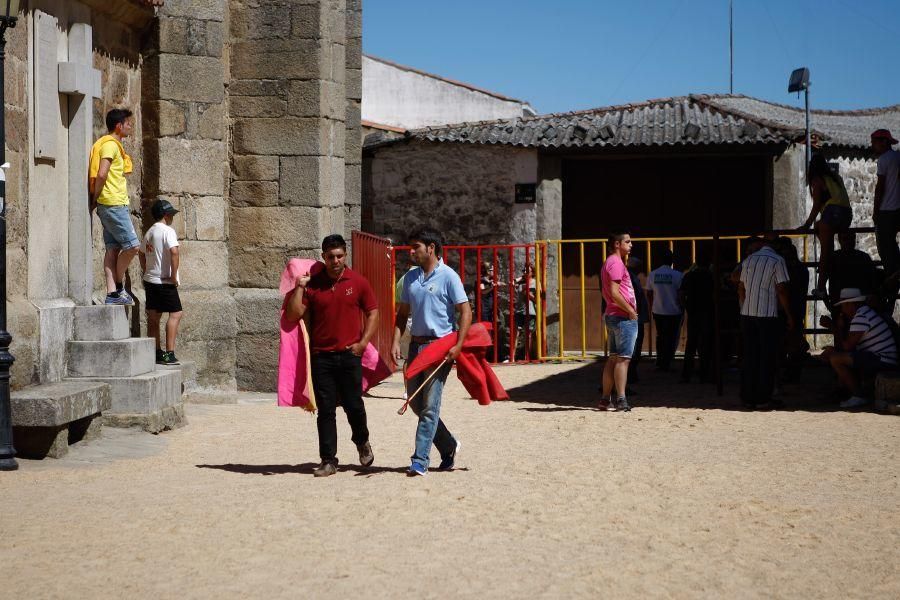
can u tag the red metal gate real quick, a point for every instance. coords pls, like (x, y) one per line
(505, 307)
(502, 269)
(372, 259)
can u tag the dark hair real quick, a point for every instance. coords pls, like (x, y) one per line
(116, 116)
(818, 167)
(666, 257)
(428, 236)
(617, 236)
(333, 241)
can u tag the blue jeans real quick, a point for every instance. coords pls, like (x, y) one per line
(427, 405)
(118, 230)
(622, 334)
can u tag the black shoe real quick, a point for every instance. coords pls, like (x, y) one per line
(169, 359)
(160, 357)
(366, 457)
(326, 469)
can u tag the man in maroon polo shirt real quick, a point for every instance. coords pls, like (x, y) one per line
(342, 316)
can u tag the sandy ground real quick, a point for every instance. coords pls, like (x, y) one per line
(551, 499)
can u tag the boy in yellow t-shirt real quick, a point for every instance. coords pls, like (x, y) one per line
(108, 190)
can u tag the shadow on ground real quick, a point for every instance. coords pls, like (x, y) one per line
(303, 469)
(578, 389)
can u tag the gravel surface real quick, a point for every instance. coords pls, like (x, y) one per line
(551, 499)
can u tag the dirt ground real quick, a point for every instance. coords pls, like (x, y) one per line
(685, 496)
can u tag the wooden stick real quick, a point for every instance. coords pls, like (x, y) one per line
(424, 383)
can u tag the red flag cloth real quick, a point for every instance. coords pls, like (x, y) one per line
(472, 367)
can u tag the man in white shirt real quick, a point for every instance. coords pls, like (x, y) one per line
(762, 288)
(663, 285)
(159, 261)
(886, 213)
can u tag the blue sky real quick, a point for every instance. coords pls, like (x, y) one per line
(563, 55)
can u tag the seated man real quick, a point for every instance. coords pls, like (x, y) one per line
(869, 348)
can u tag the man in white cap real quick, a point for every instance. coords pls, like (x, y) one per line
(870, 346)
(886, 212)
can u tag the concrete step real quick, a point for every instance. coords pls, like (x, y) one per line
(47, 418)
(101, 323)
(117, 358)
(188, 370)
(151, 401)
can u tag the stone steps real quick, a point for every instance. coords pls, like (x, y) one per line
(118, 358)
(47, 418)
(109, 372)
(150, 400)
(188, 370)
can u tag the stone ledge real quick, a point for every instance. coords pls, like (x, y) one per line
(57, 404)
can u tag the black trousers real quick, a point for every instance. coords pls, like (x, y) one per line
(338, 376)
(762, 343)
(699, 341)
(886, 239)
(667, 329)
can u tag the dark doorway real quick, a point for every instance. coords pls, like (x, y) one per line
(661, 196)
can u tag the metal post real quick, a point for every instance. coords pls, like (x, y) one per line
(730, 47)
(7, 451)
(808, 145)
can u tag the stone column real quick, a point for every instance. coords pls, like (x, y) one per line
(353, 135)
(288, 103)
(186, 163)
(549, 226)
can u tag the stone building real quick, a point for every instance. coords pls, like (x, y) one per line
(657, 168)
(247, 118)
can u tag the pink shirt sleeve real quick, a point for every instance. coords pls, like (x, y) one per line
(615, 270)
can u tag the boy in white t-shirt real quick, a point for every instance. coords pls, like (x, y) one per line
(159, 262)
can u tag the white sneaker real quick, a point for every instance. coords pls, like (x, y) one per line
(854, 402)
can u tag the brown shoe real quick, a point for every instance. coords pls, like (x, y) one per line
(366, 457)
(325, 469)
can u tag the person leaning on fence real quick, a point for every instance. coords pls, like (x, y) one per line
(886, 210)
(343, 317)
(697, 297)
(795, 348)
(621, 321)
(830, 199)
(663, 284)
(762, 288)
(525, 315)
(870, 347)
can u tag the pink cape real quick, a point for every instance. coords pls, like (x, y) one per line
(294, 373)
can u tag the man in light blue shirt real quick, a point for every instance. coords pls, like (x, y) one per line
(434, 296)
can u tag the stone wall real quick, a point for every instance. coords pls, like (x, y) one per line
(186, 162)
(860, 177)
(293, 104)
(467, 191)
(22, 321)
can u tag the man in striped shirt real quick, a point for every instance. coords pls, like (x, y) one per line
(762, 287)
(870, 347)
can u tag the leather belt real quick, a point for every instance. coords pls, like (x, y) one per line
(423, 339)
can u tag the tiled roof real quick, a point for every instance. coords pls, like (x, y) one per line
(850, 128)
(683, 120)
